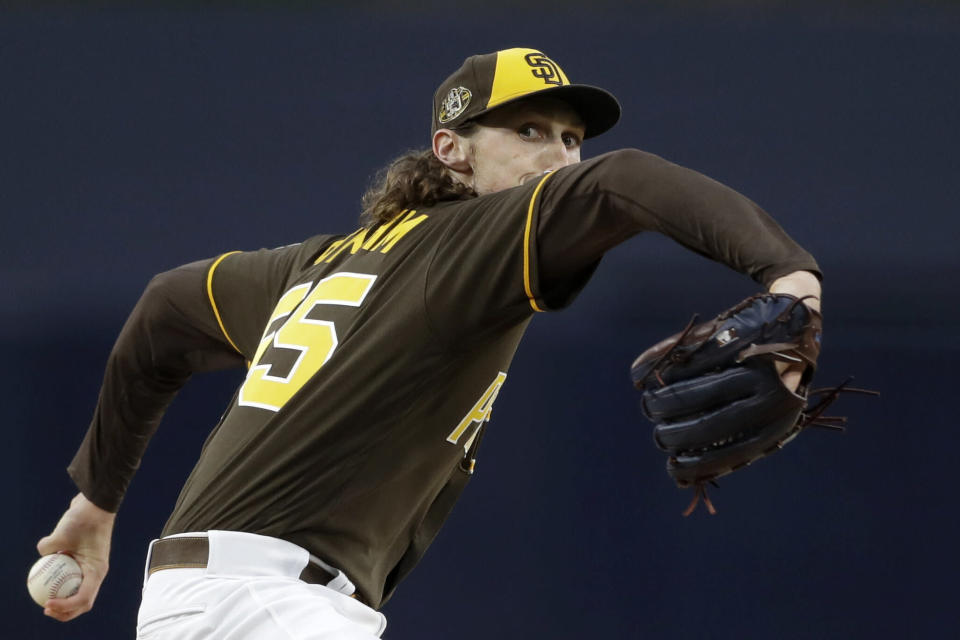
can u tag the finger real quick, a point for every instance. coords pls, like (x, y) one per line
(65, 615)
(790, 374)
(64, 609)
(61, 616)
(47, 545)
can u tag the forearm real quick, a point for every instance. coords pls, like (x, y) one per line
(616, 196)
(169, 335)
(132, 401)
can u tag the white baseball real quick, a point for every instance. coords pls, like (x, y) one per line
(54, 576)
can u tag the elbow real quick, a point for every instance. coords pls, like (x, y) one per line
(628, 167)
(170, 284)
(156, 306)
(156, 295)
(635, 158)
(159, 284)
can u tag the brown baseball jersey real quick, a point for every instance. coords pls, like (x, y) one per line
(374, 359)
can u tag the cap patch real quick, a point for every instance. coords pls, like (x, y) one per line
(454, 104)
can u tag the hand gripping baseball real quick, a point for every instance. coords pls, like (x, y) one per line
(84, 532)
(714, 391)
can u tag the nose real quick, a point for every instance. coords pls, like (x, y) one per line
(560, 155)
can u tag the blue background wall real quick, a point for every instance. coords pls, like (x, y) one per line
(135, 140)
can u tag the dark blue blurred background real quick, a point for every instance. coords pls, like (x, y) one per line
(132, 141)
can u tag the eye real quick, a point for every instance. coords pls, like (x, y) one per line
(571, 141)
(528, 132)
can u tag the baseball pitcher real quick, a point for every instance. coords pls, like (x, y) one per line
(374, 358)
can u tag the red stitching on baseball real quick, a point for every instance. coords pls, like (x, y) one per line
(62, 579)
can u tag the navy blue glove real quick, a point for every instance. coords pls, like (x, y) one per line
(714, 394)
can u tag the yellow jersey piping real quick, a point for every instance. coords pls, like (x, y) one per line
(526, 244)
(213, 303)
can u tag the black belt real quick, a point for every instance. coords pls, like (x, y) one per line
(192, 553)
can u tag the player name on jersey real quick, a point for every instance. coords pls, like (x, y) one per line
(381, 238)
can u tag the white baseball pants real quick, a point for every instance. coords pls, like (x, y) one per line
(250, 591)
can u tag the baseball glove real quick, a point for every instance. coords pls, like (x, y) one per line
(715, 396)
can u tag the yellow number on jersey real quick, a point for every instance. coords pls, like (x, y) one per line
(314, 339)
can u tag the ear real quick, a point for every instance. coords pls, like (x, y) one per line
(452, 151)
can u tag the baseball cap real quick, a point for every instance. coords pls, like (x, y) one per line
(492, 80)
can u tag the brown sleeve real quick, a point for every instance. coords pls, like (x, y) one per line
(171, 333)
(589, 208)
(204, 316)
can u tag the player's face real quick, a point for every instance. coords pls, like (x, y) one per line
(521, 141)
